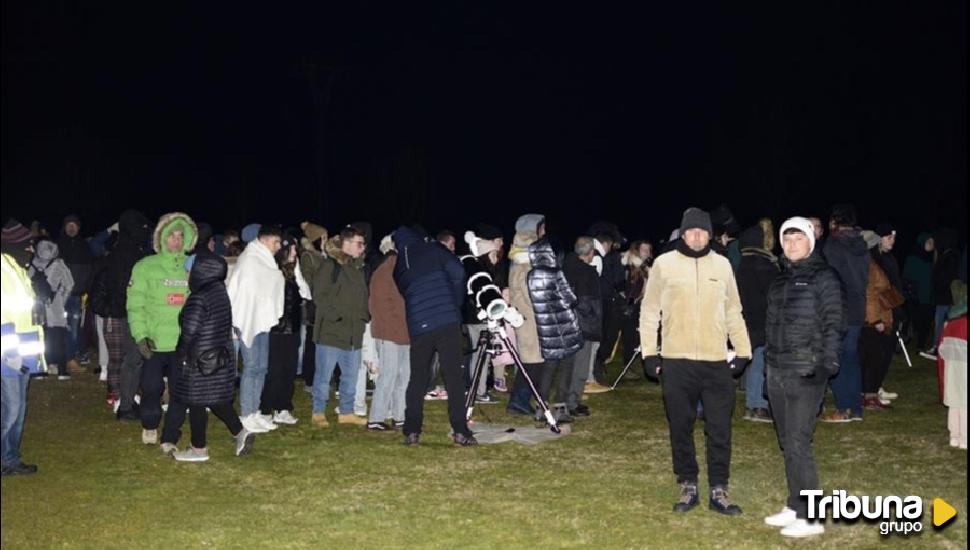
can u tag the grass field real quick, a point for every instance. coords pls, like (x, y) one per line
(608, 485)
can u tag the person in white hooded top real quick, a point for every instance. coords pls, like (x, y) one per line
(256, 292)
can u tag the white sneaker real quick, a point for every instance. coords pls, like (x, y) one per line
(801, 528)
(149, 437)
(250, 424)
(284, 417)
(782, 519)
(169, 448)
(887, 395)
(103, 377)
(192, 455)
(265, 421)
(954, 442)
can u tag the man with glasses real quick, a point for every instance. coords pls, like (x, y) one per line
(340, 293)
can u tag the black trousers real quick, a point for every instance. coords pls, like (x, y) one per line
(309, 368)
(561, 368)
(198, 421)
(685, 383)
(130, 372)
(924, 324)
(875, 353)
(159, 365)
(447, 341)
(794, 403)
(55, 347)
(612, 323)
(284, 350)
(630, 337)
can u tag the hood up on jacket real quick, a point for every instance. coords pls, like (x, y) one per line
(208, 268)
(333, 251)
(45, 252)
(171, 222)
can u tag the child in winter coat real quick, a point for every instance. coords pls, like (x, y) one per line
(53, 285)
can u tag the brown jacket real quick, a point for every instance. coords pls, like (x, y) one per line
(388, 321)
(527, 336)
(878, 283)
(698, 301)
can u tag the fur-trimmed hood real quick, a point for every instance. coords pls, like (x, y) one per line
(631, 258)
(168, 223)
(333, 251)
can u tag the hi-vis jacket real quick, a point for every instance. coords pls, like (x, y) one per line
(20, 336)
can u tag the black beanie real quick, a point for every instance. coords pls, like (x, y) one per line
(695, 218)
(487, 232)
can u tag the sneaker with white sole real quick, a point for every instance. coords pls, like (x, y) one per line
(169, 448)
(250, 424)
(266, 421)
(887, 395)
(782, 519)
(149, 437)
(802, 528)
(244, 442)
(284, 417)
(192, 455)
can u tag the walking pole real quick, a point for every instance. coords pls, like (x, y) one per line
(626, 368)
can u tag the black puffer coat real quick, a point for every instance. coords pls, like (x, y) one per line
(292, 316)
(806, 319)
(848, 254)
(109, 286)
(757, 270)
(554, 303)
(206, 324)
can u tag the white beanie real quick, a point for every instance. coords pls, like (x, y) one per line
(801, 224)
(387, 244)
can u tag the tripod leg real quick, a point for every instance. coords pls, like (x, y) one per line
(550, 419)
(483, 341)
(626, 368)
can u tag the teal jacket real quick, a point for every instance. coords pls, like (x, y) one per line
(159, 285)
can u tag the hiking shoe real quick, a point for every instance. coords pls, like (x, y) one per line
(169, 448)
(351, 419)
(285, 417)
(244, 442)
(149, 437)
(192, 455)
(688, 497)
(252, 425)
(721, 503)
(761, 415)
(412, 440)
(838, 417)
(464, 440)
(485, 399)
(320, 420)
(500, 386)
(782, 519)
(378, 427)
(19, 469)
(595, 387)
(802, 528)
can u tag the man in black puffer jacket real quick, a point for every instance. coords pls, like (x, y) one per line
(109, 298)
(804, 329)
(554, 303)
(432, 281)
(205, 375)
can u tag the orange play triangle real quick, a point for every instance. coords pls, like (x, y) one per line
(942, 512)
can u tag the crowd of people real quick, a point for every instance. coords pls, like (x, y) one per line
(171, 308)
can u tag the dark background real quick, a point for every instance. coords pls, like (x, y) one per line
(457, 114)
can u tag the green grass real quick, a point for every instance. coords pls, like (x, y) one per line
(609, 484)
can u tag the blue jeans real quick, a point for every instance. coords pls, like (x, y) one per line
(255, 366)
(14, 395)
(940, 320)
(327, 358)
(392, 384)
(754, 390)
(73, 309)
(847, 384)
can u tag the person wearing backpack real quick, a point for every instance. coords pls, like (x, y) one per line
(340, 294)
(53, 283)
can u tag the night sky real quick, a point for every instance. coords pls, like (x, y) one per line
(459, 114)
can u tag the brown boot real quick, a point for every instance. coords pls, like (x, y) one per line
(74, 367)
(351, 419)
(320, 421)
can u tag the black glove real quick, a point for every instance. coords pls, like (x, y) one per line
(652, 366)
(146, 347)
(738, 365)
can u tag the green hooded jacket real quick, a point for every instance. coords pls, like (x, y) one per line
(159, 285)
(341, 299)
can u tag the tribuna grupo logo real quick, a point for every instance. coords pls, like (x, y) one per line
(895, 515)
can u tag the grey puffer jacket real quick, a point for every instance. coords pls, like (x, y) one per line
(554, 303)
(47, 260)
